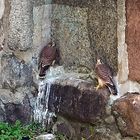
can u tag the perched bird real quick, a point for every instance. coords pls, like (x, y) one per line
(47, 57)
(105, 77)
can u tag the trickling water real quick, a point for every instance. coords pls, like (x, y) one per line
(41, 112)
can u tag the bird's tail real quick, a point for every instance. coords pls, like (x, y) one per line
(112, 88)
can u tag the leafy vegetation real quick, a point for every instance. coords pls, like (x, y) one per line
(60, 136)
(17, 131)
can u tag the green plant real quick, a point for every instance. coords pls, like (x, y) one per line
(18, 130)
(60, 136)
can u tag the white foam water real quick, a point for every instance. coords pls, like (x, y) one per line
(41, 112)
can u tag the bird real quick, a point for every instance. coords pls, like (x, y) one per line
(104, 76)
(48, 57)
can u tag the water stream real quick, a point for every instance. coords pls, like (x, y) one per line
(41, 112)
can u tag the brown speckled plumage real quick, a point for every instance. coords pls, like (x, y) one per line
(47, 57)
(105, 77)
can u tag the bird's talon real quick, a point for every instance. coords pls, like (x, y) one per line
(97, 87)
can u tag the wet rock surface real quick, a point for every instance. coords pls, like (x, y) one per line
(78, 100)
(46, 137)
(127, 111)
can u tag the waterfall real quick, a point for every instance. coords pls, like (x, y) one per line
(41, 112)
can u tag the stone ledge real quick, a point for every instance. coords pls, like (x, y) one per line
(77, 99)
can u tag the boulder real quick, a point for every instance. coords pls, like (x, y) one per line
(77, 99)
(127, 111)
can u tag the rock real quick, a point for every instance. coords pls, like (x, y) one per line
(129, 138)
(46, 137)
(127, 111)
(2, 7)
(80, 31)
(63, 127)
(106, 129)
(42, 25)
(103, 133)
(20, 31)
(15, 73)
(78, 100)
(20, 112)
(2, 112)
(110, 120)
(15, 106)
(73, 130)
(133, 38)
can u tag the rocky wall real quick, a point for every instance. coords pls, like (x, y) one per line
(16, 60)
(78, 29)
(84, 112)
(128, 51)
(82, 30)
(86, 29)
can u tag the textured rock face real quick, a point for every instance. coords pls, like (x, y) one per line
(20, 25)
(79, 29)
(42, 26)
(73, 130)
(83, 29)
(16, 99)
(15, 106)
(105, 129)
(2, 7)
(20, 112)
(127, 112)
(73, 52)
(15, 73)
(78, 100)
(133, 38)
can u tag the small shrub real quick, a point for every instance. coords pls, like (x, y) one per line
(17, 131)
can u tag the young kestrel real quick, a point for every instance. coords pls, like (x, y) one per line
(47, 57)
(105, 77)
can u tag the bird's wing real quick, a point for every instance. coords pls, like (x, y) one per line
(47, 56)
(104, 73)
